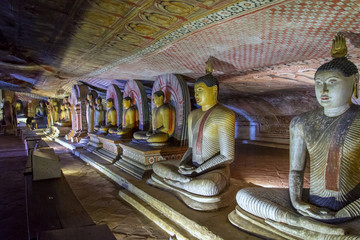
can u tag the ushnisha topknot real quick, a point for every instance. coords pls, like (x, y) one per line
(159, 93)
(208, 79)
(339, 61)
(127, 98)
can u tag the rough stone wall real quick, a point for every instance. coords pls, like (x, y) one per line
(266, 117)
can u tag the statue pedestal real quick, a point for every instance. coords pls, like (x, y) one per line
(59, 131)
(70, 134)
(195, 201)
(137, 158)
(279, 196)
(94, 142)
(78, 136)
(111, 150)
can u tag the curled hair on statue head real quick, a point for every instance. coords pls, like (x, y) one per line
(343, 65)
(159, 93)
(127, 98)
(209, 81)
(99, 98)
(110, 100)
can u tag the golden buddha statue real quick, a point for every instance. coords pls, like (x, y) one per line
(330, 135)
(68, 113)
(111, 123)
(163, 121)
(130, 121)
(40, 110)
(62, 113)
(204, 168)
(99, 119)
(65, 116)
(90, 112)
(55, 111)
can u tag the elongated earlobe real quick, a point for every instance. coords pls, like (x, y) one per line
(356, 86)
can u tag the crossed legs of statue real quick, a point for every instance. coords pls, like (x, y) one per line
(208, 184)
(273, 205)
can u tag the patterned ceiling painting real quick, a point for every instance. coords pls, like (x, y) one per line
(254, 45)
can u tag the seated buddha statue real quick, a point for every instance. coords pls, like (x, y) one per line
(130, 123)
(163, 121)
(55, 111)
(99, 119)
(62, 113)
(204, 168)
(111, 114)
(64, 120)
(68, 112)
(40, 110)
(330, 135)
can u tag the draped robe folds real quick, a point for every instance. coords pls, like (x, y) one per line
(213, 132)
(334, 149)
(319, 133)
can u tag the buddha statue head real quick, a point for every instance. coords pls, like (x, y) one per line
(158, 98)
(336, 81)
(206, 91)
(127, 102)
(62, 107)
(109, 103)
(98, 101)
(89, 97)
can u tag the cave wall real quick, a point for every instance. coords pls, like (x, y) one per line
(264, 118)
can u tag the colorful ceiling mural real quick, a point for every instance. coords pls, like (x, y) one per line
(254, 45)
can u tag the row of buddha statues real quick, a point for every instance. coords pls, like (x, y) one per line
(53, 113)
(162, 124)
(329, 134)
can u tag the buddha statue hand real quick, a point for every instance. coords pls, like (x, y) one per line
(313, 211)
(343, 213)
(187, 170)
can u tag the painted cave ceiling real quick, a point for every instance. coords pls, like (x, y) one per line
(254, 45)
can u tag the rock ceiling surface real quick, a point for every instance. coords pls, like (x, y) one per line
(255, 45)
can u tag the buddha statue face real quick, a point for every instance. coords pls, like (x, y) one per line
(333, 89)
(109, 103)
(205, 95)
(89, 97)
(158, 100)
(62, 107)
(126, 103)
(18, 107)
(98, 101)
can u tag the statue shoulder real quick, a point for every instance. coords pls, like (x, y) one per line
(223, 111)
(306, 117)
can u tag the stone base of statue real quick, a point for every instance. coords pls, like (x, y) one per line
(59, 131)
(78, 136)
(70, 134)
(111, 150)
(137, 158)
(94, 142)
(39, 122)
(256, 225)
(195, 201)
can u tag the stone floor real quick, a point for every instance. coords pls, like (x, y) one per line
(97, 194)
(263, 166)
(12, 189)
